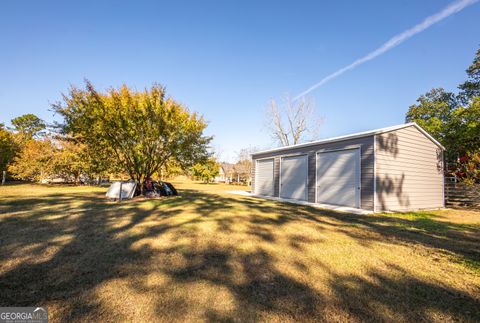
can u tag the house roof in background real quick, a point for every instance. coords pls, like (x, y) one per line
(227, 167)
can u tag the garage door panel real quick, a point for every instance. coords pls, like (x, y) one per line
(333, 172)
(293, 177)
(338, 177)
(264, 177)
(341, 177)
(333, 197)
(332, 168)
(327, 183)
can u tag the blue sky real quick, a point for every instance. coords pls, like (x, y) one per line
(226, 59)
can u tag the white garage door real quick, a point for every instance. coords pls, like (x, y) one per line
(338, 177)
(293, 177)
(264, 177)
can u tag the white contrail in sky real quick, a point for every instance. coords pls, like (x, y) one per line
(396, 40)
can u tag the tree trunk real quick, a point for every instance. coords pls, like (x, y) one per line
(140, 179)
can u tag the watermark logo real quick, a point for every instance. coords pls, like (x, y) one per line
(23, 315)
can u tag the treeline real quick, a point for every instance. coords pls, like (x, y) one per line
(454, 120)
(120, 132)
(47, 157)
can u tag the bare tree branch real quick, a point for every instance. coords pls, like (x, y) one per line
(292, 121)
(276, 122)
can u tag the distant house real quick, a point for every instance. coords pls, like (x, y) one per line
(233, 173)
(243, 172)
(220, 178)
(225, 174)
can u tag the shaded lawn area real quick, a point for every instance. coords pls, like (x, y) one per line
(208, 255)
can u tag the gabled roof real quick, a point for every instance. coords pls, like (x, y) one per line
(354, 136)
(227, 167)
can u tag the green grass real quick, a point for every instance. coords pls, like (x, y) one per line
(433, 221)
(211, 256)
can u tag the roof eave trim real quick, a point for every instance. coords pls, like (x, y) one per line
(352, 136)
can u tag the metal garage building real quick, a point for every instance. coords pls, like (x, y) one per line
(397, 168)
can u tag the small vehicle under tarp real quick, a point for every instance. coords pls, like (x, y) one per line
(156, 189)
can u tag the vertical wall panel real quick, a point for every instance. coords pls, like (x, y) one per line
(277, 177)
(311, 177)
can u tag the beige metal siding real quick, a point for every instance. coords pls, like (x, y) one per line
(409, 171)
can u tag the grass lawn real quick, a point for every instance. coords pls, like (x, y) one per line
(211, 256)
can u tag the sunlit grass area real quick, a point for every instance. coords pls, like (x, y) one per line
(208, 255)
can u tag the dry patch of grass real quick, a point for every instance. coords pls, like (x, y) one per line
(211, 256)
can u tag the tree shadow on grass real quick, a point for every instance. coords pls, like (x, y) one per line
(458, 240)
(93, 255)
(383, 293)
(261, 290)
(95, 251)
